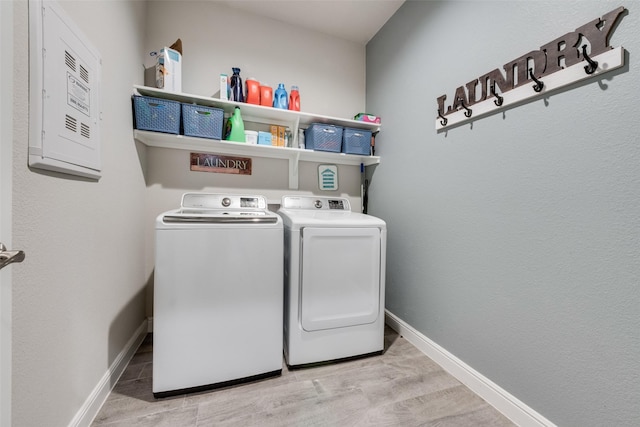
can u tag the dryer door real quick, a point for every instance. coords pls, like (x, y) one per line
(340, 278)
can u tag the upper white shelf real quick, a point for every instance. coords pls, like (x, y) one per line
(257, 113)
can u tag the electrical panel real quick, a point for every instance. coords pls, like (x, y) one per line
(64, 86)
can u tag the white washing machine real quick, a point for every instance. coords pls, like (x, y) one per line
(334, 276)
(218, 293)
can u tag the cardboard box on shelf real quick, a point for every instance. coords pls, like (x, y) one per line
(224, 86)
(169, 70)
(277, 135)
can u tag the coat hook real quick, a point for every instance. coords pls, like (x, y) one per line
(593, 65)
(539, 85)
(469, 110)
(499, 99)
(444, 120)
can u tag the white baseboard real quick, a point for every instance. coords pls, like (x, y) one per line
(84, 417)
(503, 401)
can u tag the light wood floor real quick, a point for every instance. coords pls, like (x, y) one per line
(401, 387)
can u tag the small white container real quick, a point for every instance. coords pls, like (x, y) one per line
(251, 136)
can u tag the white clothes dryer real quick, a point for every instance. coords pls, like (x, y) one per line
(334, 276)
(218, 293)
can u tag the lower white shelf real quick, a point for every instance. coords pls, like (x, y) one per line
(294, 155)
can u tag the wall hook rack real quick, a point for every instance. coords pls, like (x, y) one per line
(593, 65)
(444, 120)
(468, 111)
(539, 85)
(514, 78)
(499, 99)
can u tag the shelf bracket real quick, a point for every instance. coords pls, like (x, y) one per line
(295, 133)
(293, 171)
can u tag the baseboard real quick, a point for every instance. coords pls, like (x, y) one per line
(84, 417)
(503, 401)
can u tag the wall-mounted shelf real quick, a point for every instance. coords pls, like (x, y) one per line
(255, 113)
(293, 155)
(259, 114)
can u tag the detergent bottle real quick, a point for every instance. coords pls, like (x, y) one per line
(253, 91)
(235, 127)
(237, 94)
(294, 99)
(266, 95)
(280, 98)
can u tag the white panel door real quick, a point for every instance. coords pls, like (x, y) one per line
(340, 278)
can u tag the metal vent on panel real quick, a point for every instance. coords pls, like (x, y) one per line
(71, 123)
(70, 60)
(84, 74)
(85, 130)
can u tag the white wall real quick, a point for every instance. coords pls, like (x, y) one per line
(81, 292)
(329, 71)
(79, 296)
(215, 38)
(516, 247)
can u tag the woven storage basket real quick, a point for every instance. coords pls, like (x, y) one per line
(203, 122)
(323, 137)
(356, 141)
(155, 114)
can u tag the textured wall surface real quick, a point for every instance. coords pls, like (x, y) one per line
(79, 295)
(86, 285)
(329, 71)
(514, 242)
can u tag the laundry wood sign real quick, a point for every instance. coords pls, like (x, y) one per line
(580, 54)
(204, 162)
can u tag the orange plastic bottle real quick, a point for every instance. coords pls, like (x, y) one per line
(266, 96)
(253, 91)
(294, 99)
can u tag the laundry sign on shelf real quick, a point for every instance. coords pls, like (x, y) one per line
(578, 55)
(205, 162)
(328, 177)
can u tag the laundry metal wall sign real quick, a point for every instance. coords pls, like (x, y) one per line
(204, 162)
(578, 55)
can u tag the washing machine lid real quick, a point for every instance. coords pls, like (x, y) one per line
(179, 216)
(309, 211)
(220, 209)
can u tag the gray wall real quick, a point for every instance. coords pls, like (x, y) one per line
(514, 243)
(216, 37)
(79, 295)
(86, 284)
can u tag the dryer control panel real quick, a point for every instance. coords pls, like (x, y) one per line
(315, 203)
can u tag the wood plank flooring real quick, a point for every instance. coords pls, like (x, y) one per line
(401, 387)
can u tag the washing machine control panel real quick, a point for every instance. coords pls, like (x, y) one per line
(222, 201)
